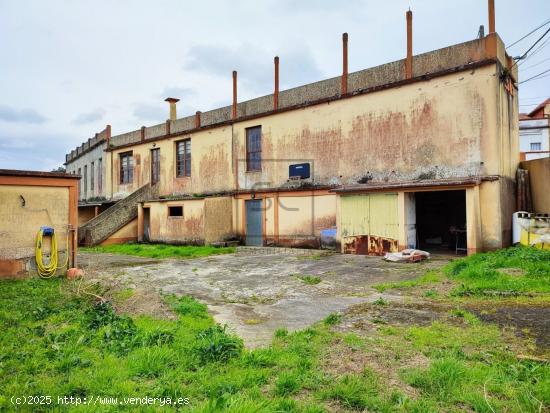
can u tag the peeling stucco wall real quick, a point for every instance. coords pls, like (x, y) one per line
(21, 218)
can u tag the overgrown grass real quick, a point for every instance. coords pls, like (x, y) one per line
(161, 250)
(511, 271)
(429, 278)
(56, 344)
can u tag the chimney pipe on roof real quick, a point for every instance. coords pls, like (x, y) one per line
(344, 88)
(108, 134)
(408, 61)
(492, 16)
(198, 119)
(234, 108)
(172, 102)
(276, 92)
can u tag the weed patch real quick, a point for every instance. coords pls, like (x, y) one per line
(309, 279)
(161, 250)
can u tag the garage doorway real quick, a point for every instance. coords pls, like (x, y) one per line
(441, 221)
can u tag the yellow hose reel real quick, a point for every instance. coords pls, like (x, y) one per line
(47, 270)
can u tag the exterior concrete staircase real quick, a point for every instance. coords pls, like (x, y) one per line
(112, 219)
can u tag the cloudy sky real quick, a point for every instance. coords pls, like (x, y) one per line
(69, 67)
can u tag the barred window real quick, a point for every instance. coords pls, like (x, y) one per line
(183, 158)
(254, 149)
(126, 168)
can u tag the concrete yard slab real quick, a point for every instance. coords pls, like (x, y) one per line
(257, 292)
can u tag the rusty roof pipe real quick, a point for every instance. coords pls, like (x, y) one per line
(198, 119)
(408, 61)
(491, 5)
(234, 107)
(108, 134)
(344, 88)
(276, 92)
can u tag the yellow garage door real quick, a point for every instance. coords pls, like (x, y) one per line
(369, 214)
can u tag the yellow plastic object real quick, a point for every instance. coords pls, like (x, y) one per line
(535, 232)
(47, 270)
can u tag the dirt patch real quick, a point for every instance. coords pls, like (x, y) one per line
(369, 316)
(143, 302)
(527, 321)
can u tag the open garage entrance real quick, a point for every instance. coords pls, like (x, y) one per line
(441, 221)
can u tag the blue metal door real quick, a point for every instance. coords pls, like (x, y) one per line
(254, 222)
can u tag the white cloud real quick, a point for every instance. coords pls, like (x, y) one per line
(25, 115)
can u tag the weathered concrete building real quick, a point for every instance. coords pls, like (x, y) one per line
(87, 162)
(419, 152)
(31, 200)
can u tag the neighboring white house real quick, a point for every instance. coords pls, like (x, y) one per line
(534, 132)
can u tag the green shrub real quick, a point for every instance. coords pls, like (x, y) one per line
(332, 319)
(216, 344)
(189, 306)
(440, 379)
(281, 332)
(287, 383)
(151, 361)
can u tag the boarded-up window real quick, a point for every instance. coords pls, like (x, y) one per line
(254, 149)
(183, 158)
(126, 168)
(175, 211)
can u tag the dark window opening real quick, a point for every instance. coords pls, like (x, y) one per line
(155, 166)
(80, 183)
(126, 168)
(99, 175)
(85, 180)
(254, 149)
(175, 211)
(441, 220)
(183, 158)
(92, 176)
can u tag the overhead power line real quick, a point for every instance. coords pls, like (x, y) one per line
(529, 34)
(536, 64)
(534, 77)
(533, 45)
